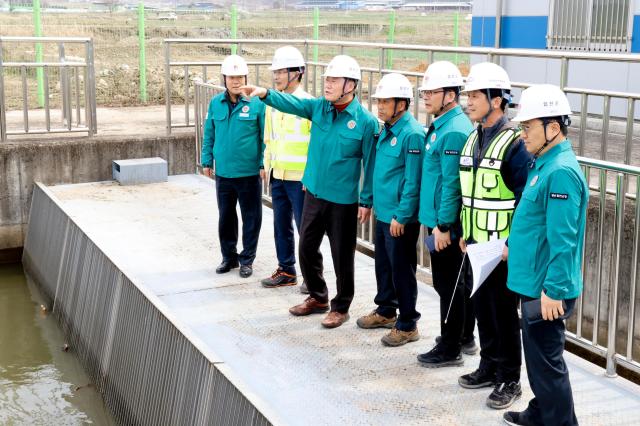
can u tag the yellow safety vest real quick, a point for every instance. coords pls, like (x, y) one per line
(487, 202)
(286, 139)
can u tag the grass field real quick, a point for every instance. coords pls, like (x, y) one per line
(115, 39)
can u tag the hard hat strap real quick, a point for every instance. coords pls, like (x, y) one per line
(532, 163)
(443, 105)
(344, 86)
(486, 116)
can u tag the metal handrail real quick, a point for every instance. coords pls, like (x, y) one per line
(69, 78)
(492, 54)
(532, 53)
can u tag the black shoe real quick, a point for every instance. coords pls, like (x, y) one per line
(504, 395)
(468, 348)
(437, 357)
(478, 379)
(279, 279)
(246, 271)
(516, 418)
(303, 288)
(226, 266)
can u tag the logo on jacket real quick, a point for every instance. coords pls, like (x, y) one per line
(534, 180)
(245, 108)
(433, 137)
(351, 124)
(394, 141)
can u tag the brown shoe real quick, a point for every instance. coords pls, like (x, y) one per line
(398, 337)
(375, 320)
(334, 319)
(308, 307)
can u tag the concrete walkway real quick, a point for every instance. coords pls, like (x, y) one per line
(163, 236)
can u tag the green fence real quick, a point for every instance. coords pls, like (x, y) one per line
(129, 72)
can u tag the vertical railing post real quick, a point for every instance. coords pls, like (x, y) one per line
(613, 294)
(391, 38)
(63, 82)
(456, 34)
(91, 79)
(234, 28)
(564, 72)
(37, 23)
(167, 84)
(316, 31)
(142, 55)
(3, 117)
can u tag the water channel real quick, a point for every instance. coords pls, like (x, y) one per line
(41, 383)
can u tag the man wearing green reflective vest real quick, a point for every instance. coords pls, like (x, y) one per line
(286, 139)
(493, 172)
(341, 152)
(545, 253)
(440, 203)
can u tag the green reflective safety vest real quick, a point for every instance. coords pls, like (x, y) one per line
(487, 202)
(286, 139)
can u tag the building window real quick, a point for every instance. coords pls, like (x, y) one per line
(590, 25)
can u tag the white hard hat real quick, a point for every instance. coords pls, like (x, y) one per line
(343, 66)
(441, 74)
(394, 85)
(542, 100)
(234, 65)
(287, 57)
(487, 75)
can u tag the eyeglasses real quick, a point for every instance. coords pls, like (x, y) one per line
(429, 93)
(526, 128)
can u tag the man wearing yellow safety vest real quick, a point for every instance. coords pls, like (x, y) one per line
(341, 151)
(440, 203)
(545, 253)
(233, 138)
(396, 189)
(286, 139)
(493, 172)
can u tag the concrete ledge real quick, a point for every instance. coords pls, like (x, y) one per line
(74, 160)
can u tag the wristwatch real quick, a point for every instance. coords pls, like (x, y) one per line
(443, 228)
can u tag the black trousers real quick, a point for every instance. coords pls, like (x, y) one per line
(339, 222)
(396, 262)
(496, 309)
(548, 375)
(248, 192)
(445, 266)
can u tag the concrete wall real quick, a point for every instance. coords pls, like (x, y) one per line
(73, 160)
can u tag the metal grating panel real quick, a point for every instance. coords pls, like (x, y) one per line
(147, 370)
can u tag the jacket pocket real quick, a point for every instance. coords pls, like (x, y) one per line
(350, 145)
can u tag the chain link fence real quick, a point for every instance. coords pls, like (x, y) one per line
(117, 49)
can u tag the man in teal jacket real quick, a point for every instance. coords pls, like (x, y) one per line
(233, 137)
(545, 253)
(342, 144)
(440, 202)
(396, 188)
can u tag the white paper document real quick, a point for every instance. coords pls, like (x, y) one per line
(484, 257)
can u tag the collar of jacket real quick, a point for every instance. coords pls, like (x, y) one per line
(441, 120)
(486, 134)
(227, 98)
(350, 109)
(565, 145)
(397, 127)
